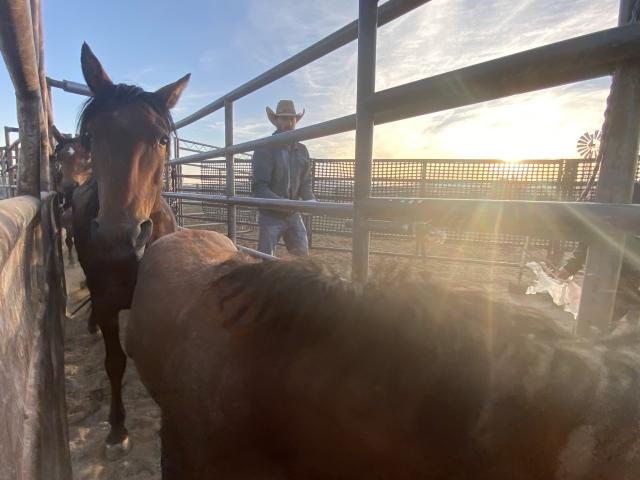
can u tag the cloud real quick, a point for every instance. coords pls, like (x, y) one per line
(442, 36)
(438, 37)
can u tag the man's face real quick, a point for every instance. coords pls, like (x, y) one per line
(286, 123)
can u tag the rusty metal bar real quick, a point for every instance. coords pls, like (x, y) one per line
(45, 143)
(19, 52)
(366, 84)
(617, 175)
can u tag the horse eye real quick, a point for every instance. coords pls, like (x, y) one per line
(164, 140)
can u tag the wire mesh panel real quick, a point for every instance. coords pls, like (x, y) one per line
(556, 180)
(213, 178)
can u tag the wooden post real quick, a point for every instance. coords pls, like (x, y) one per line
(367, 31)
(19, 52)
(230, 189)
(45, 145)
(617, 174)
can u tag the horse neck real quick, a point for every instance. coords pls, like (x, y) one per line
(164, 222)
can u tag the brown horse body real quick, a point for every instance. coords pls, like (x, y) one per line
(280, 370)
(72, 166)
(120, 211)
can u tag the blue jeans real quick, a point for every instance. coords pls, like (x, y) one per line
(289, 227)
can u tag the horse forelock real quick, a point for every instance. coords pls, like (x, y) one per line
(118, 95)
(65, 141)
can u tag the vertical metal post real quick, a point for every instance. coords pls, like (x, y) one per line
(166, 172)
(617, 175)
(231, 181)
(6, 176)
(175, 178)
(367, 30)
(309, 223)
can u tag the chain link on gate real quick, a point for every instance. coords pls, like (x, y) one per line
(633, 18)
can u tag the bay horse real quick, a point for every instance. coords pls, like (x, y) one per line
(120, 211)
(72, 168)
(284, 370)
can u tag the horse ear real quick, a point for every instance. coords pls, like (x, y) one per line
(95, 76)
(171, 93)
(56, 134)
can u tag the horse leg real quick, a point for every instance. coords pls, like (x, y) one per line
(92, 323)
(171, 463)
(69, 241)
(117, 443)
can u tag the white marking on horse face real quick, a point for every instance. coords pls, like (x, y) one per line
(71, 151)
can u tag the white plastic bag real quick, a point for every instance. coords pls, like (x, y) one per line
(565, 294)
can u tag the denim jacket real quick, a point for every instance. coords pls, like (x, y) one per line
(282, 172)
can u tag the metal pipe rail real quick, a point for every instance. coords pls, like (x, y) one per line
(331, 127)
(554, 220)
(386, 13)
(319, 208)
(256, 253)
(69, 86)
(577, 59)
(531, 70)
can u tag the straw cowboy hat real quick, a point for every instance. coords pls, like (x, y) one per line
(285, 108)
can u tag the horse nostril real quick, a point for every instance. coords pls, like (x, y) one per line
(144, 233)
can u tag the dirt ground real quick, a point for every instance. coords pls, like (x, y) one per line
(88, 396)
(88, 389)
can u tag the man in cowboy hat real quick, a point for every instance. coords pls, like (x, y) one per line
(282, 172)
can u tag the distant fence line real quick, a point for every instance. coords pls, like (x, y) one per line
(333, 181)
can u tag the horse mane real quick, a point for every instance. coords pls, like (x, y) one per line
(303, 300)
(117, 95)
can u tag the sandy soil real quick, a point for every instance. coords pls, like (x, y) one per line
(88, 396)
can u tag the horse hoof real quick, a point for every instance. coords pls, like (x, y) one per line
(115, 451)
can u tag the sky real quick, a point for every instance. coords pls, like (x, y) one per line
(224, 43)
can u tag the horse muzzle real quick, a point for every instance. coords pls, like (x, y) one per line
(120, 240)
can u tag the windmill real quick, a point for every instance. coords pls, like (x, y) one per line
(589, 144)
(588, 147)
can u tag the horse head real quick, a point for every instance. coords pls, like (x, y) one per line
(72, 164)
(126, 130)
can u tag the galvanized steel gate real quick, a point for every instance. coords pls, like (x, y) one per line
(613, 51)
